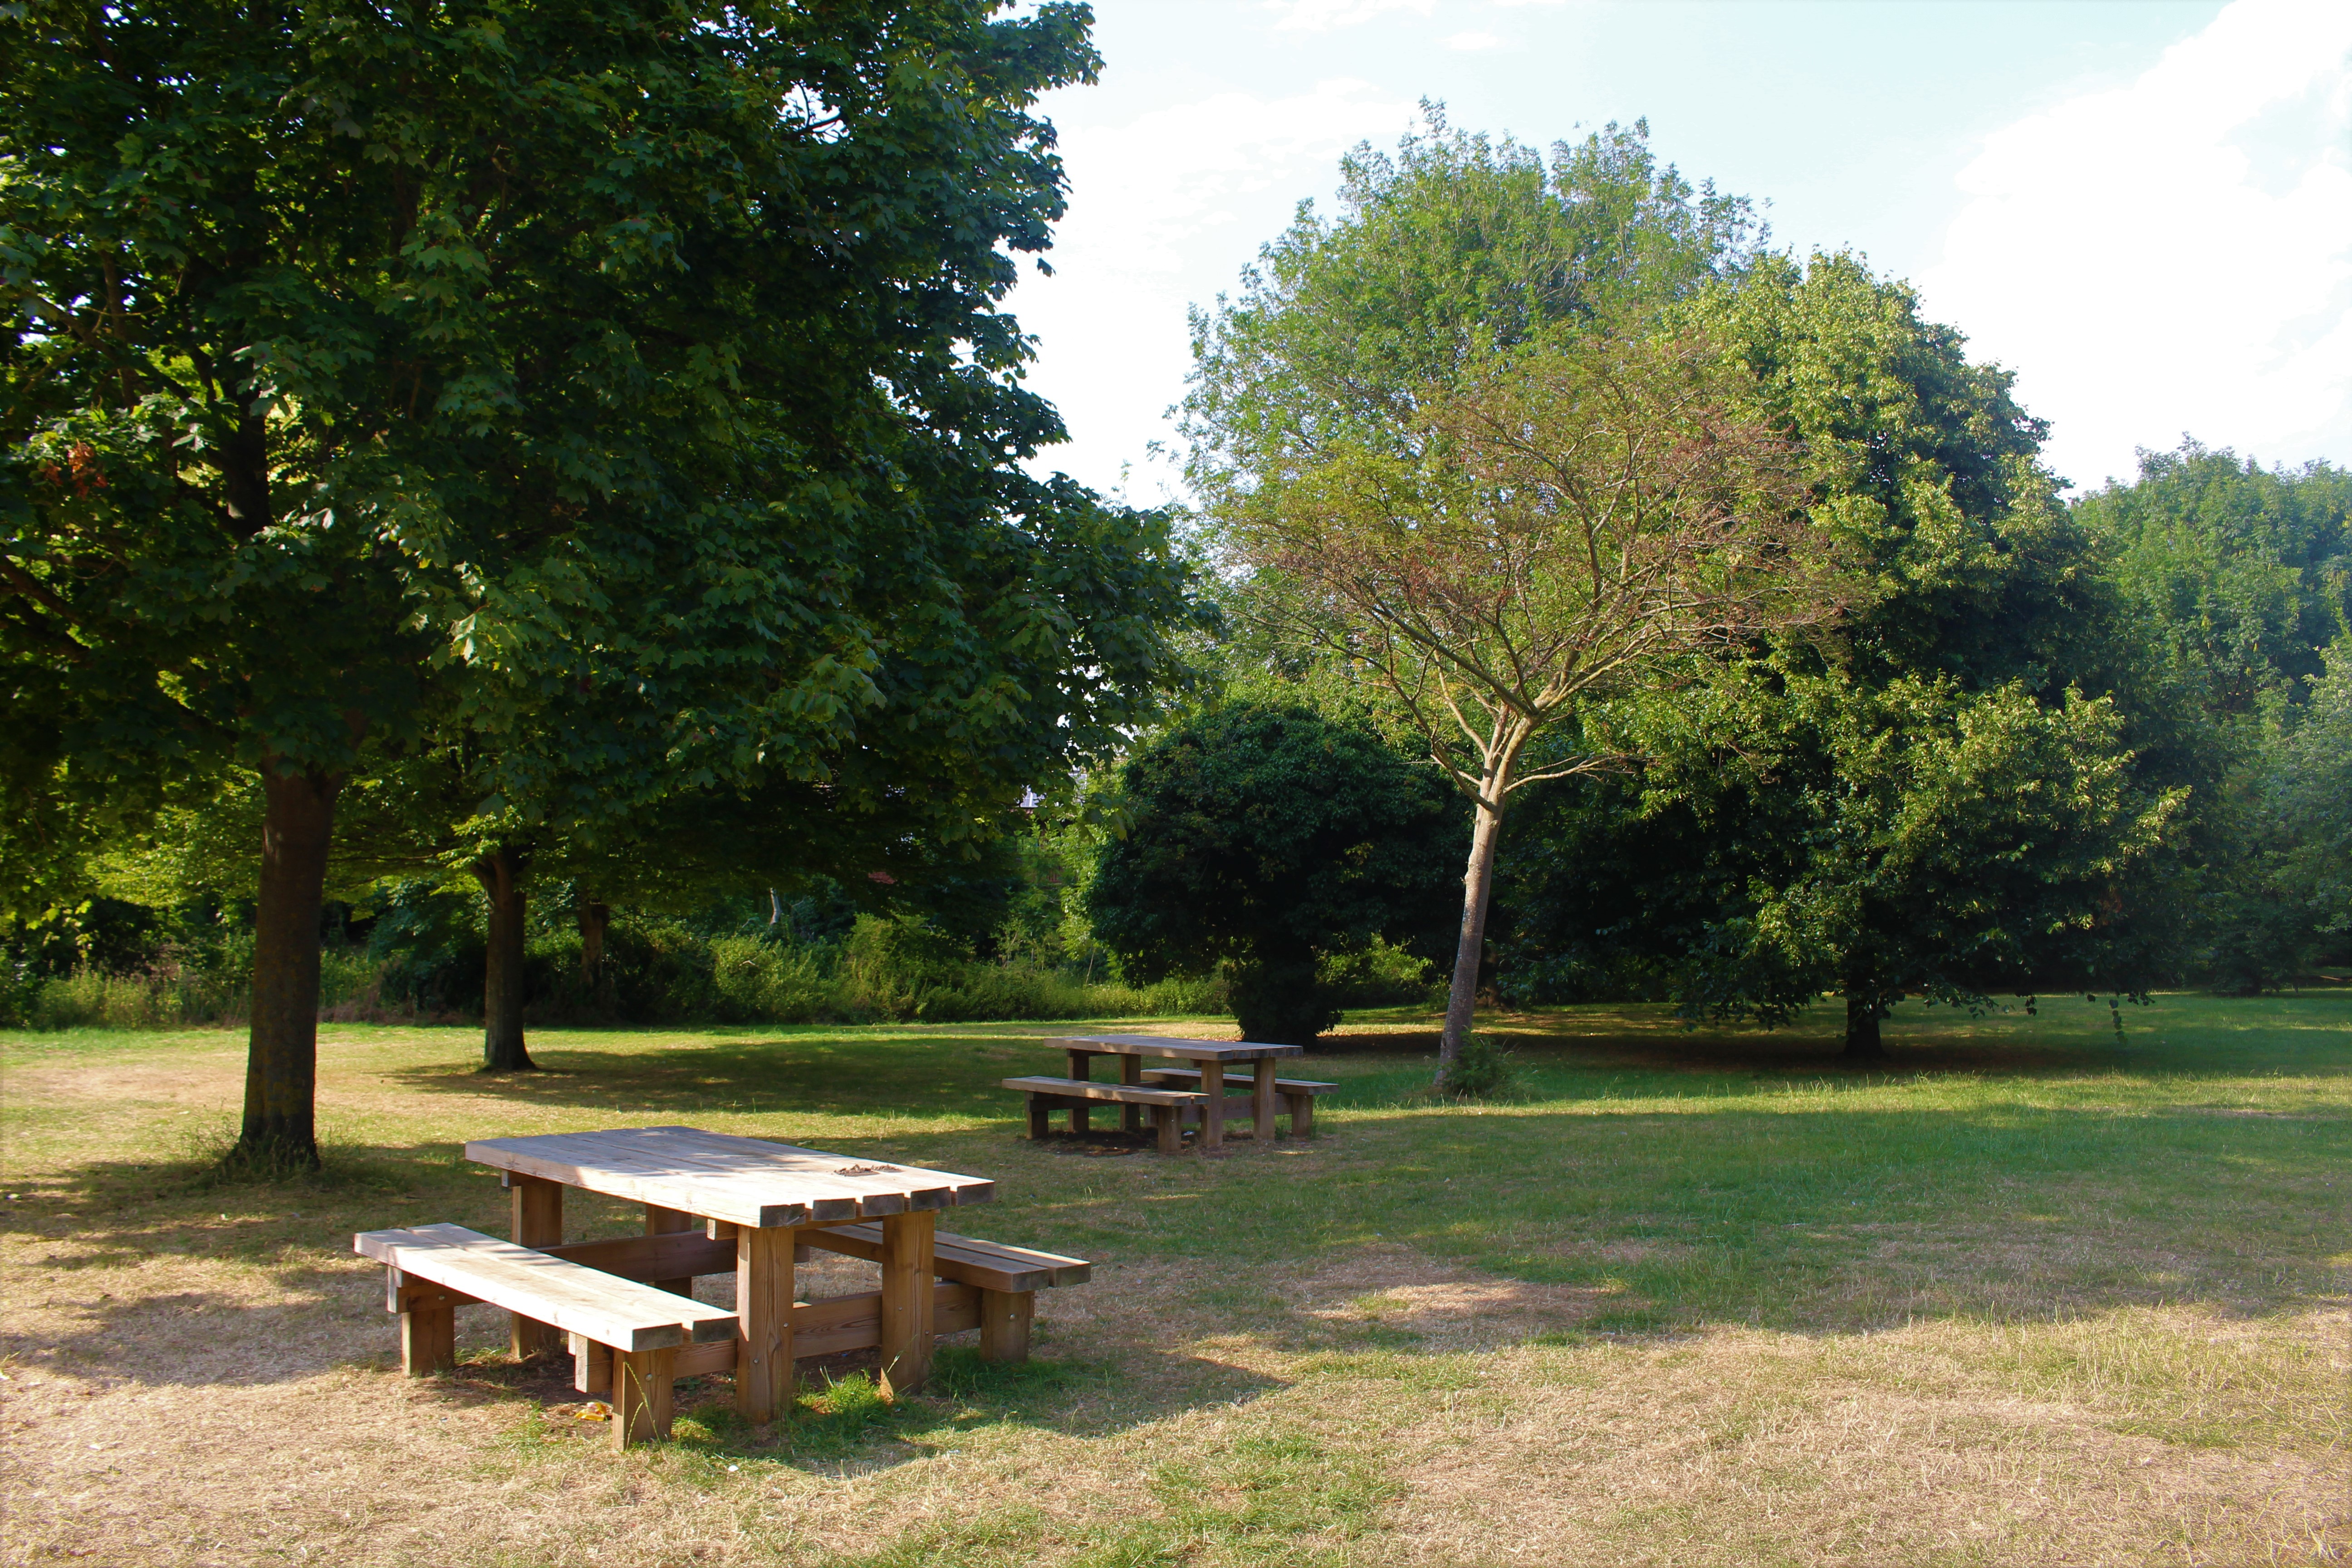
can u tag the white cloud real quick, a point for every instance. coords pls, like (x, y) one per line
(1471, 41)
(1165, 209)
(1322, 16)
(2175, 254)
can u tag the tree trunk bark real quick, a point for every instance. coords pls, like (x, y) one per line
(1862, 1038)
(594, 917)
(500, 874)
(281, 1070)
(1477, 886)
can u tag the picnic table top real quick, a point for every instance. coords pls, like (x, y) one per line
(743, 1181)
(1182, 1051)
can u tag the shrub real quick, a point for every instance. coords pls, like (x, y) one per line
(1483, 1068)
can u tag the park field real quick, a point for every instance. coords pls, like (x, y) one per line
(2027, 1293)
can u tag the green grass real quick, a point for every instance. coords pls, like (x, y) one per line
(2137, 1230)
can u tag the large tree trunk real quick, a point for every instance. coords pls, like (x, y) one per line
(281, 1069)
(1477, 887)
(594, 917)
(1862, 1011)
(500, 874)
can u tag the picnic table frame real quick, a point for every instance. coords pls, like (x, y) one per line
(1214, 1057)
(758, 1195)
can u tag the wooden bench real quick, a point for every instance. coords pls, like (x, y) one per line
(1167, 1106)
(1007, 1279)
(1297, 1094)
(642, 1333)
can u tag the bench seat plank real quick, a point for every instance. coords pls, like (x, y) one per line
(569, 1295)
(962, 1259)
(1122, 1093)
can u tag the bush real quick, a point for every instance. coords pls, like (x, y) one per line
(655, 972)
(1483, 1068)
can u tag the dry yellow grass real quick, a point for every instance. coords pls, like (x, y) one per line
(1326, 1353)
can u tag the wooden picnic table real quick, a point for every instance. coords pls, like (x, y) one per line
(757, 1194)
(1213, 1056)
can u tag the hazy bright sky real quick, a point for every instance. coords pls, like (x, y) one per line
(2144, 209)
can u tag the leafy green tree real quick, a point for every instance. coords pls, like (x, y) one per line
(2235, 580)
(1945, 797)
(1266, 839)
(621, 384)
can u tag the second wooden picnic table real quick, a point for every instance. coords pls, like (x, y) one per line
(754, 1194)
(1213, 1057)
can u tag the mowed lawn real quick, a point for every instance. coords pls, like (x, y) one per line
(2028, 1294)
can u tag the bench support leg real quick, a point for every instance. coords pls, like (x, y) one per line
(1168, 1123)
(763, 1322)
(1005, 1318)
(906, 1260)
(538, 1222)
(1130, 1072)
(592, 1367)
(428, 1332)
(1302, 1115)
(663, 1222)
(1262, 1101)
(1039, 1111)
(641, 1394)
(1212, 1120)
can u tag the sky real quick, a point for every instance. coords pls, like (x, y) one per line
(2143, 209)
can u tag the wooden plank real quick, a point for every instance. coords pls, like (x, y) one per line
(965, 1259)
(1302, 1116)
(877, 1181)
(660, 1221)
(673, 1254)
(907, 1303)
(592, 1364)
(765, 1323)
(746, 1181)
(1040, 1108)
(854, 1322)
(1167, 1124)
(1192, 1076)
(1177, 1049)
(614, 1311)
(538, 1222)
(1005, 1320)
(642, 1392)
(1074, 1089)
(1262, 1101)
(396, 1284)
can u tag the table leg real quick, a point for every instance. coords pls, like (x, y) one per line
(907, 1263)
(1081, 1068)
(763, 1322)
(538, 1222)
(662, 1222)
(1262, 1101)
(1130, 1073)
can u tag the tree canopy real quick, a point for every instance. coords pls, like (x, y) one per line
(1266, 839)
(622, 386)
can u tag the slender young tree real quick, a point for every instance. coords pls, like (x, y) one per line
(1568, 522)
